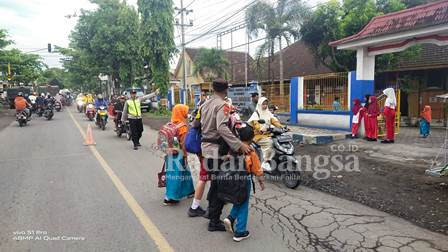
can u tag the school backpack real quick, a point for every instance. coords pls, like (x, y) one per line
(194, 136)
(167, 133)
(232, 180)
(193, 140)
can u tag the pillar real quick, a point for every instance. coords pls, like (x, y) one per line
(365, 65)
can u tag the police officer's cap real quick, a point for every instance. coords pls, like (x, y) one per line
(220, 85)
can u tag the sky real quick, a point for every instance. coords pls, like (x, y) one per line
(32, 24)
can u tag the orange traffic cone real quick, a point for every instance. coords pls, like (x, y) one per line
(89, 138)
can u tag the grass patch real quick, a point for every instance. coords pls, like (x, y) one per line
(160, 113)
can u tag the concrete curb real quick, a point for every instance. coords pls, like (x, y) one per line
(315, 139)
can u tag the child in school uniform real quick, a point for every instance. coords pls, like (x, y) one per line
(236, 222)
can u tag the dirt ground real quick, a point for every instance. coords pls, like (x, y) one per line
(6, 117)
(385, 180)
(390, 178)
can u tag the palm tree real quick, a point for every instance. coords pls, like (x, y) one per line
(211, 64)
(278, 21)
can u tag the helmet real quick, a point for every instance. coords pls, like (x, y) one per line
(42, 94)
(20, 94)
(100, 96)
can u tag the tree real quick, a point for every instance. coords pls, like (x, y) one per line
(53, 76)
(4, 41)
(106, 41)
(278, 22)
(157, 35)
(333, 20)
(25, 67)
(211, 64)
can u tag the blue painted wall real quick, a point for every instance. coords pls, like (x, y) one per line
(360, 88)
(294, 99)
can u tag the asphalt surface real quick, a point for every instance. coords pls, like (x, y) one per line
(106, 198)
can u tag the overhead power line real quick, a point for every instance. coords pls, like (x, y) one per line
(212, 29)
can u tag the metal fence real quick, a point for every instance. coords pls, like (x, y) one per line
(272, 92)
(320, 91)
(381, 123)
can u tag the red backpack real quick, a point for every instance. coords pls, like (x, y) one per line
(166, 136)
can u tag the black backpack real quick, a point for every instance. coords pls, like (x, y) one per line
(232, 181)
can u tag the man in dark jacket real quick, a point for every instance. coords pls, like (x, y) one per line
(215, 114)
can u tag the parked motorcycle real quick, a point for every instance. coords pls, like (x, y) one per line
(58, 106)
(90, 111)
(101, 118)
(22, 118)
(286, 165)
(48, 112)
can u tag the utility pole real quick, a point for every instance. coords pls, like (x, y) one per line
(183, 12)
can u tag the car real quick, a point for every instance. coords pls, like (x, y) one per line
(145, 105)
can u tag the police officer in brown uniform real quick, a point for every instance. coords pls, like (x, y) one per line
(215, 114)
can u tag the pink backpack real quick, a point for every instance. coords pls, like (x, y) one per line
(166, 136)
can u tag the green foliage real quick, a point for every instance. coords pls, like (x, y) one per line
(4, 41)
(25, 67)
(277, 22)
(53, 76)
(162, 112)
(105, 41)
(335, 20)
(157, 35)
(211, 64)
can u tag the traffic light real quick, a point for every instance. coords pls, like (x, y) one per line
(49, 47)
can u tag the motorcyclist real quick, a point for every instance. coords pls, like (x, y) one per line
(262, 136)
(21, 104)
(49, 101)
(100, 101)
(89, 99)
(118, 109)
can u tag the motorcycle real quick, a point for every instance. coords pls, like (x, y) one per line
(58, 106)
(48, 112)
(80, 106)
(90, 111)
(101, 118)
(286, 165)
(22, 118)
(121, 127)
(39, 110)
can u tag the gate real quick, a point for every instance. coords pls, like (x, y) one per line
(321, 90)
(381, 123)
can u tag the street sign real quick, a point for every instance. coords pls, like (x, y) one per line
(241, 96)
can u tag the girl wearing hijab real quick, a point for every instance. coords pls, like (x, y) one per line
(262, 136)
(371, 119)
(425, 121)
(366, 107)
(179, 183)
(389, 114)
(358, 114)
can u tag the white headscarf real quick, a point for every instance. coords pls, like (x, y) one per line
(264, 114)
(391, 100)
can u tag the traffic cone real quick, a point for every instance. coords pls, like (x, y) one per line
(89, 138)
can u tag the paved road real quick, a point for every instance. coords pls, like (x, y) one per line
(105, 197)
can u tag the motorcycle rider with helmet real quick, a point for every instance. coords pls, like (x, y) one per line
(100, 101)
(21, 104)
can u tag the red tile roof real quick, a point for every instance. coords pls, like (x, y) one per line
(421, 16)
(298, 60)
